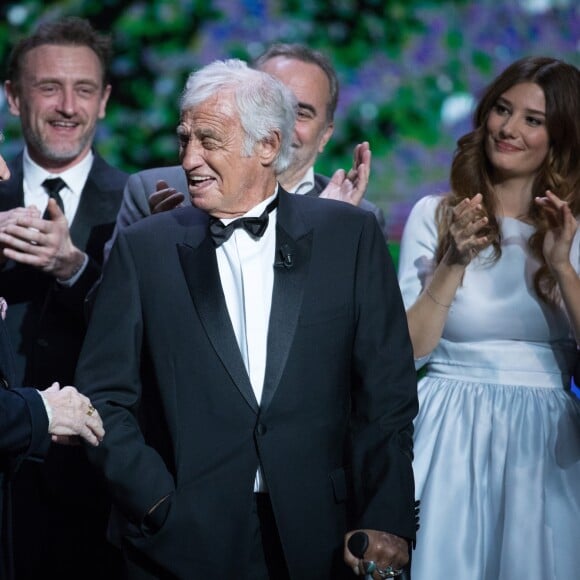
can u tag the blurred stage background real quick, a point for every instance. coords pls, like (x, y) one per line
(409, 70)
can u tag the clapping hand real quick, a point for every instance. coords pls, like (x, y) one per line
(558, 239)
(40, 243)
(468, 219)
(164, 198)
(351, 187)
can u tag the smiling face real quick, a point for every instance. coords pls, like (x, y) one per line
(59, 97)
(517, 141)
(222, 181)
(312, 131)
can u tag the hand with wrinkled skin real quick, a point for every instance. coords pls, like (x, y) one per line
(384, 550)
(558, 239)
(466, 241)
(165, 198)
(351, 187)
(70, 419)
(42, 244)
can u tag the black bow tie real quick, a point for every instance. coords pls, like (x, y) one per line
(255, 226)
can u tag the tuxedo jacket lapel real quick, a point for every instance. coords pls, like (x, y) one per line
(294, 239)
(198, 255)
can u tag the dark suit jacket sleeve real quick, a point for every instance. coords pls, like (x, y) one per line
(385, 394)
(24, 423)
(320, 183)
(378, 213)
(136, 473)
(134, 207)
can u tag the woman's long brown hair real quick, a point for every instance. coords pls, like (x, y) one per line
(472, 173)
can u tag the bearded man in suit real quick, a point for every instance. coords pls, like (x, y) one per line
(312, 78)
(56, 213)
(251, 425)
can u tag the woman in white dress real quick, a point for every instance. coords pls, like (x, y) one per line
(489, 275)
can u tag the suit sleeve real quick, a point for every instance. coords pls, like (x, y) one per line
(379, 214)
(24, 423)
(109, 373)
(384, 399)
(134, 207)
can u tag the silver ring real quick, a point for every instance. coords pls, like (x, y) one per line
(389, 572)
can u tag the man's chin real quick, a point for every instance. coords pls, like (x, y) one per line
(61, 155)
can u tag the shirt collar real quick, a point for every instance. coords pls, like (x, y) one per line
(75, 177)
(305, 184)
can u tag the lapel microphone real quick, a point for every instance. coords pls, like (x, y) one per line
(286, 259)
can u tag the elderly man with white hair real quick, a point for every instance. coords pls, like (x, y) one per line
(252, 426)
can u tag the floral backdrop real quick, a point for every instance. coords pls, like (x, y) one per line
(410, 71)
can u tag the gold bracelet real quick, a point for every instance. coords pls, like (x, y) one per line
(435, 299)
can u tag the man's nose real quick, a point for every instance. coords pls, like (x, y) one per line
(191, 156)
(67, 102)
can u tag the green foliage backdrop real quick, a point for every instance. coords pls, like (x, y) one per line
(409, 71)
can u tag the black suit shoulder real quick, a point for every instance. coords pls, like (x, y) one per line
(324, 211)
(320, 183)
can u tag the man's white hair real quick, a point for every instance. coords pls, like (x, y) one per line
(265, 105)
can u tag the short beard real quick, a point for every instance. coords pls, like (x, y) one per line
(58, 156)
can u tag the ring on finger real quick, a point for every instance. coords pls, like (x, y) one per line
(91, 410)
(389, 572)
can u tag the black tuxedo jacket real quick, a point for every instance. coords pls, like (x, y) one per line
(46, 321)
(333, 432)
(23, 431)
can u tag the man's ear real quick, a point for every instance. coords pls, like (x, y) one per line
(268, 149)
(104, 99)
(12, 98)
(326, 136)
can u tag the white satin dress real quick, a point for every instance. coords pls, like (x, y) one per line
(497, 437)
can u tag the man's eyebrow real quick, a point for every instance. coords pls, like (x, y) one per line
(307, 106)
(60, 81)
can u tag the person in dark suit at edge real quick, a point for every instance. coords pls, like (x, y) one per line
(311, 76)
(56, 213)
(29, 419)
(251, 455)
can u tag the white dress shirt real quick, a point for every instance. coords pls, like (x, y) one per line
(305, 184)
(246, 268)
(74, 178)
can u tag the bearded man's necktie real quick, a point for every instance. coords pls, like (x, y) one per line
(53, 186)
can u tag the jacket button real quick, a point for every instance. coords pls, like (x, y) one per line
(261, 429)
(42, 342)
